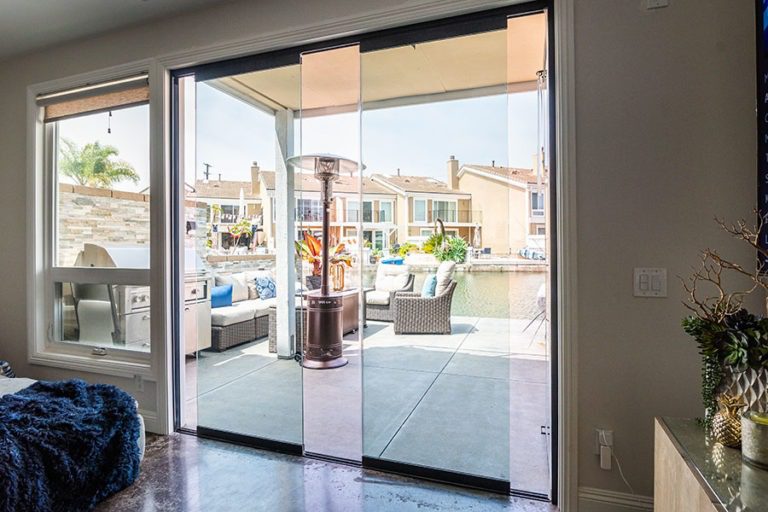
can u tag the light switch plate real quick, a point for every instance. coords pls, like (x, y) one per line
(650, 282)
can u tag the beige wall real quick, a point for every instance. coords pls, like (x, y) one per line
(665, 140)
(504, 211)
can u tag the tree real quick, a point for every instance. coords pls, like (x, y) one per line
(94, 165)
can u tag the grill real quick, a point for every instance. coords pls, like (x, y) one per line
(121, 313)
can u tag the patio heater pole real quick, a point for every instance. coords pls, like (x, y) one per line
(323, 346)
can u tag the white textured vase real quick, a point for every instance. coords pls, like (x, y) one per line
(751, 385)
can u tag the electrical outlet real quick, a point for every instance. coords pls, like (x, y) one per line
(138, 381)
(603, 437)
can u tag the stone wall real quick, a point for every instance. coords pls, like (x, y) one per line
(100, 216)
(110, 218)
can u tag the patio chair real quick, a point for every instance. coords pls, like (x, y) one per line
(390, 280)
(414, 314)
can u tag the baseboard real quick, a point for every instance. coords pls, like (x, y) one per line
(592, 499)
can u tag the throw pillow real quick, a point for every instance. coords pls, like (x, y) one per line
(221, 296)
(265, 285)
(444, 276)
(239, 286)
(430, 284)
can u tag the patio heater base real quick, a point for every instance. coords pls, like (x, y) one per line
(323, 348)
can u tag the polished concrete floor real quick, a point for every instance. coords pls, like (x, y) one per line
(184, 473)
(473, 401)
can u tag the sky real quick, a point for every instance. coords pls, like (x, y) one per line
(416, 139)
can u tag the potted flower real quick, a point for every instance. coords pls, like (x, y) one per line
(733, 342)
(310, 250)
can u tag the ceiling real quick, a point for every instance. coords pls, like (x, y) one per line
(27, 25)
(474, 65)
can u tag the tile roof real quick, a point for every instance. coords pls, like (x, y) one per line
(223, 189)
(307, 182)
(419, 184)
(510, 173)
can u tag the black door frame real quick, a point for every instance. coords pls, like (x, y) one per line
(483, 21)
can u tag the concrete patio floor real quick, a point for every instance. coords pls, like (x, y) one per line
(473, 401)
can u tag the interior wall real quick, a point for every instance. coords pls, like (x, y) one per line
(665, 141)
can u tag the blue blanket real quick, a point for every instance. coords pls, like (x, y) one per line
(65, 446)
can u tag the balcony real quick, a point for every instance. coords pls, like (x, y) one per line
(451, 217)
(372, 216)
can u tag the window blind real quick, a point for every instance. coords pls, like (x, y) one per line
(95, 98)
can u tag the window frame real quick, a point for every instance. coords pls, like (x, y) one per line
(391, 204)
(43, 348)
(450, 202)
(540, 198)
(422, 200)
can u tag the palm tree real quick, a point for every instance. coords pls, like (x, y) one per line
(94, 165)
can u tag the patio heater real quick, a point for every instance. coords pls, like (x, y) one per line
(323, 348)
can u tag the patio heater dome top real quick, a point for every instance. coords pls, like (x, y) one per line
(325, 165)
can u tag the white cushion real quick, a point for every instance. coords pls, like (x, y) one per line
(263, 305)
(390, 278)
(377, 297)
(234, 314)
(444, 276)
(239, 285)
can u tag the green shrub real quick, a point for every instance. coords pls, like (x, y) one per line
(434, 240)
(456, 250)
(406, 248)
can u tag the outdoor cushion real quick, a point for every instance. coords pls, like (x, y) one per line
(265, 285)
(444, 276)
(221, 296)
(377, 297)
(234, 314)
(392, 277)
(262, 306)
(239, 285)
(430, 284)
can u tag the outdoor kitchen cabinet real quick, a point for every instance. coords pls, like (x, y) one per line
(197, 314)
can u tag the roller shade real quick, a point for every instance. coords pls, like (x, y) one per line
(91, 99)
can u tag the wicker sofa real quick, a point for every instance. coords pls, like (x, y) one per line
(247, 319)
(390, 280)
(414, 314)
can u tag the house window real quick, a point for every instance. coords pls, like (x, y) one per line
(353, 211)
(367, 211)
(385, 211)
(229, 213)
(541, 230)
(309, 210)
(444, 210)
(426, 232)
(96, 176)
(419, 210)
(537, 204)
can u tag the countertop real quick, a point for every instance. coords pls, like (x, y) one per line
(737, 485)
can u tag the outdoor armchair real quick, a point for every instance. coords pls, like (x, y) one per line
(414, 314)
(390, 280)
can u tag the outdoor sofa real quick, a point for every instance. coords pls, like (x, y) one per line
(247, 318)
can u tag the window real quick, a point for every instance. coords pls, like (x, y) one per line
(367, 211)
(426, 232)
(96, 175)
(419, 210)
(229, 214)
(353, 211)
(537, 204)
(541, 230)
(309, 210)
(385, 214)
(444, 210)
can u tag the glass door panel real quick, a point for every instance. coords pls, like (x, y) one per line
(330, 124)
(455, 379)
(239, 371)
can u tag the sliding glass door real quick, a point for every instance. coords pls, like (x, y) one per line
(363, 252)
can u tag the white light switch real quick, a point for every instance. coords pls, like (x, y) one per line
(650, 282)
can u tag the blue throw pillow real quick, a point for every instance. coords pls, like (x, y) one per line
(221, 296)
(429, 286)
(266, 287)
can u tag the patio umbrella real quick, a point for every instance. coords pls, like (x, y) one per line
(241, 205)
(476, 240)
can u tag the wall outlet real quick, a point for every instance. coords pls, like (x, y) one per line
(603, 437)
(650, 282)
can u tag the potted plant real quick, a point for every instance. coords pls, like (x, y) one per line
(310, 250)
(733, 342)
